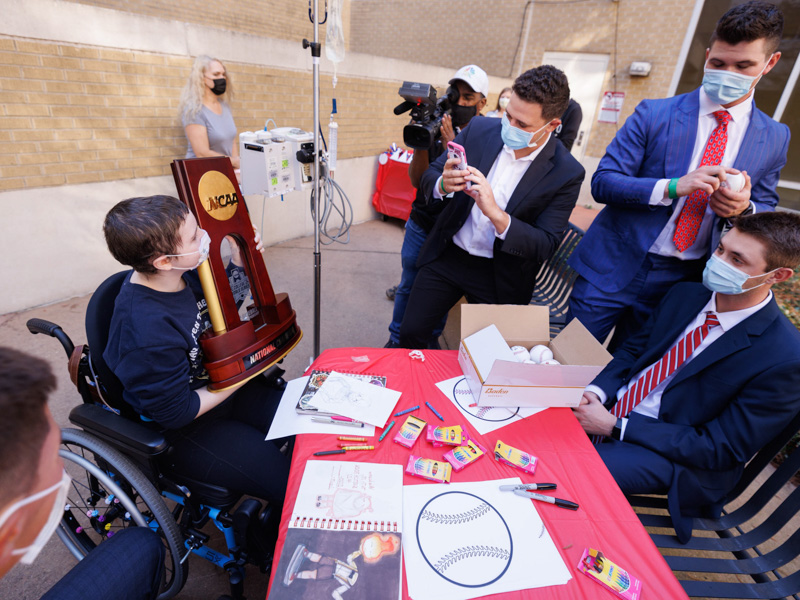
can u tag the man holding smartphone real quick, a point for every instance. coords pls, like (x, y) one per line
(473, 87)
(490, 241)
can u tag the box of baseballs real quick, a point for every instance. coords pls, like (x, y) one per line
(508, 358)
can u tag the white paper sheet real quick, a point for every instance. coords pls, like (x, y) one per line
(483, 418)
(287, 422)
(359, 400)
(467, 540)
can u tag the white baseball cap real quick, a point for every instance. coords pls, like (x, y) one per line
(474, 77)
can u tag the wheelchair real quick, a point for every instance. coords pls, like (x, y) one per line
(113, 458)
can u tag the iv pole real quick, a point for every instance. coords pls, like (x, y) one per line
(315, 54)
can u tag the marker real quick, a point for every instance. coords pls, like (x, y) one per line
(433, 410)
(339, 418)
(408, 410)
(332, 422)
(528, 486)
(385, 431)
(549, 499)
(358, 448)
(327, 452)
(351, 438)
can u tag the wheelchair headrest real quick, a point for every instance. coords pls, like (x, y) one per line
(98, 322)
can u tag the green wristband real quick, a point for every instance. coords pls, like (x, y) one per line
(672, 188)
(441, 186)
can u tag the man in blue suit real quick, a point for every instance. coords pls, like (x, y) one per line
(710, 379)
(663, 179)
(490, 240)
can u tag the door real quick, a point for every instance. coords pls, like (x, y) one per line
(586, 73)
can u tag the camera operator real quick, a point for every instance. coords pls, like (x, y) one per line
(470, 85)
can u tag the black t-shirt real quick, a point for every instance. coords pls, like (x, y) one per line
(423, 213)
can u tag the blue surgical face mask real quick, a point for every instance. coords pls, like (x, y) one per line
(724, 87)
(517, 139)
(724, 278)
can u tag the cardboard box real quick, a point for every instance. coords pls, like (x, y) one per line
(496, 379)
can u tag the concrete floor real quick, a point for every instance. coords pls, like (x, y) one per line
(355, 312)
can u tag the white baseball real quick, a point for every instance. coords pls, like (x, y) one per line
(540, 353)
(520, 353)
(464, 539)
(528, 361)
(734, 181)
(552, 361)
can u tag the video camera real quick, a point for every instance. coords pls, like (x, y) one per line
(426, 112)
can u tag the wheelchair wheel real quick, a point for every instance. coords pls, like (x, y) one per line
(109, 493)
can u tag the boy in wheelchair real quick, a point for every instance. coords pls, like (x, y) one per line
(216, 437)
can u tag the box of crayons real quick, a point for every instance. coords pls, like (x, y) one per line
(608, 574)
(519, 459)
(465, 455)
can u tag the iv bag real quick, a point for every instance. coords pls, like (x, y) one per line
(334, 38)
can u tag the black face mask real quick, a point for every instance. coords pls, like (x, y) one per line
(462, 114)
(219, 86)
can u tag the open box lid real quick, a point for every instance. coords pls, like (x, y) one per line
(520, 325)
(576, 346)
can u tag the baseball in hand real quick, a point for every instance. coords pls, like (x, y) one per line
(541, 353)
(734, 181)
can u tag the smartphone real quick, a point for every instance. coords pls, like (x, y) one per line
(457, 151)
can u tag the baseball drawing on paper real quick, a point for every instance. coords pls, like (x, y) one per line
(464, 539)
(463, 397)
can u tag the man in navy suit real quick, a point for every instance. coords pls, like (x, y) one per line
(490, 240)
(663, 179)
(710, 379)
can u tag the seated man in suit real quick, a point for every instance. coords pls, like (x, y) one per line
(663, 176)
(710, 379)
(490, 240)
(33, 492)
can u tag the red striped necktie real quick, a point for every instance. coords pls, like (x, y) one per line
(695, 206)
(665, 367)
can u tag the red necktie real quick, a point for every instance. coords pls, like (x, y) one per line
(659, 371)
(695, 206)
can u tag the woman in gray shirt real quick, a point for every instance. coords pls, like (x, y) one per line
(206, 117)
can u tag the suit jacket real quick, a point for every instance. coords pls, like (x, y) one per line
(540, 208)
(721, 408)
(656, 142)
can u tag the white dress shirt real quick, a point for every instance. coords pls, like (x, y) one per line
(706, 123)
(477, 235)
(651, 404)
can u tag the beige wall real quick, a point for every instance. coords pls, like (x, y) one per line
(649, 30)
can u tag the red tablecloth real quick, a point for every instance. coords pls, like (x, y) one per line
(604, 520)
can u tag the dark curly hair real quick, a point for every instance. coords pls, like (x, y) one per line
(544, 85)
(749, 22)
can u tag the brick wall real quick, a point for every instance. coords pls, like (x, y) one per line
(79, 114)
(280, 19)
(487, 34)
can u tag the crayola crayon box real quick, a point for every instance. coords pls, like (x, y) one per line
(428, 468)
(519, 459)
(410, 431)
(465, 455)
(608, 574)
(453, 435)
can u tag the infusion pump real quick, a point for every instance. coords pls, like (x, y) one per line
(276, 162)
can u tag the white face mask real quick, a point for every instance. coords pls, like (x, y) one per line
(56, 513)
(203, 249)
(503, 102)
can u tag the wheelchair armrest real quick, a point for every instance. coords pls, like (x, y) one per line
(122, 433)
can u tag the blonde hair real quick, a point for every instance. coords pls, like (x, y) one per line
(192, 94)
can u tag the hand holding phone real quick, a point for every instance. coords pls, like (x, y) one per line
(457, 151)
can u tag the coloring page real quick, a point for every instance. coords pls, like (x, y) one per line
(359, 400)
(467, 540)
(483, 418)
(349, 491)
